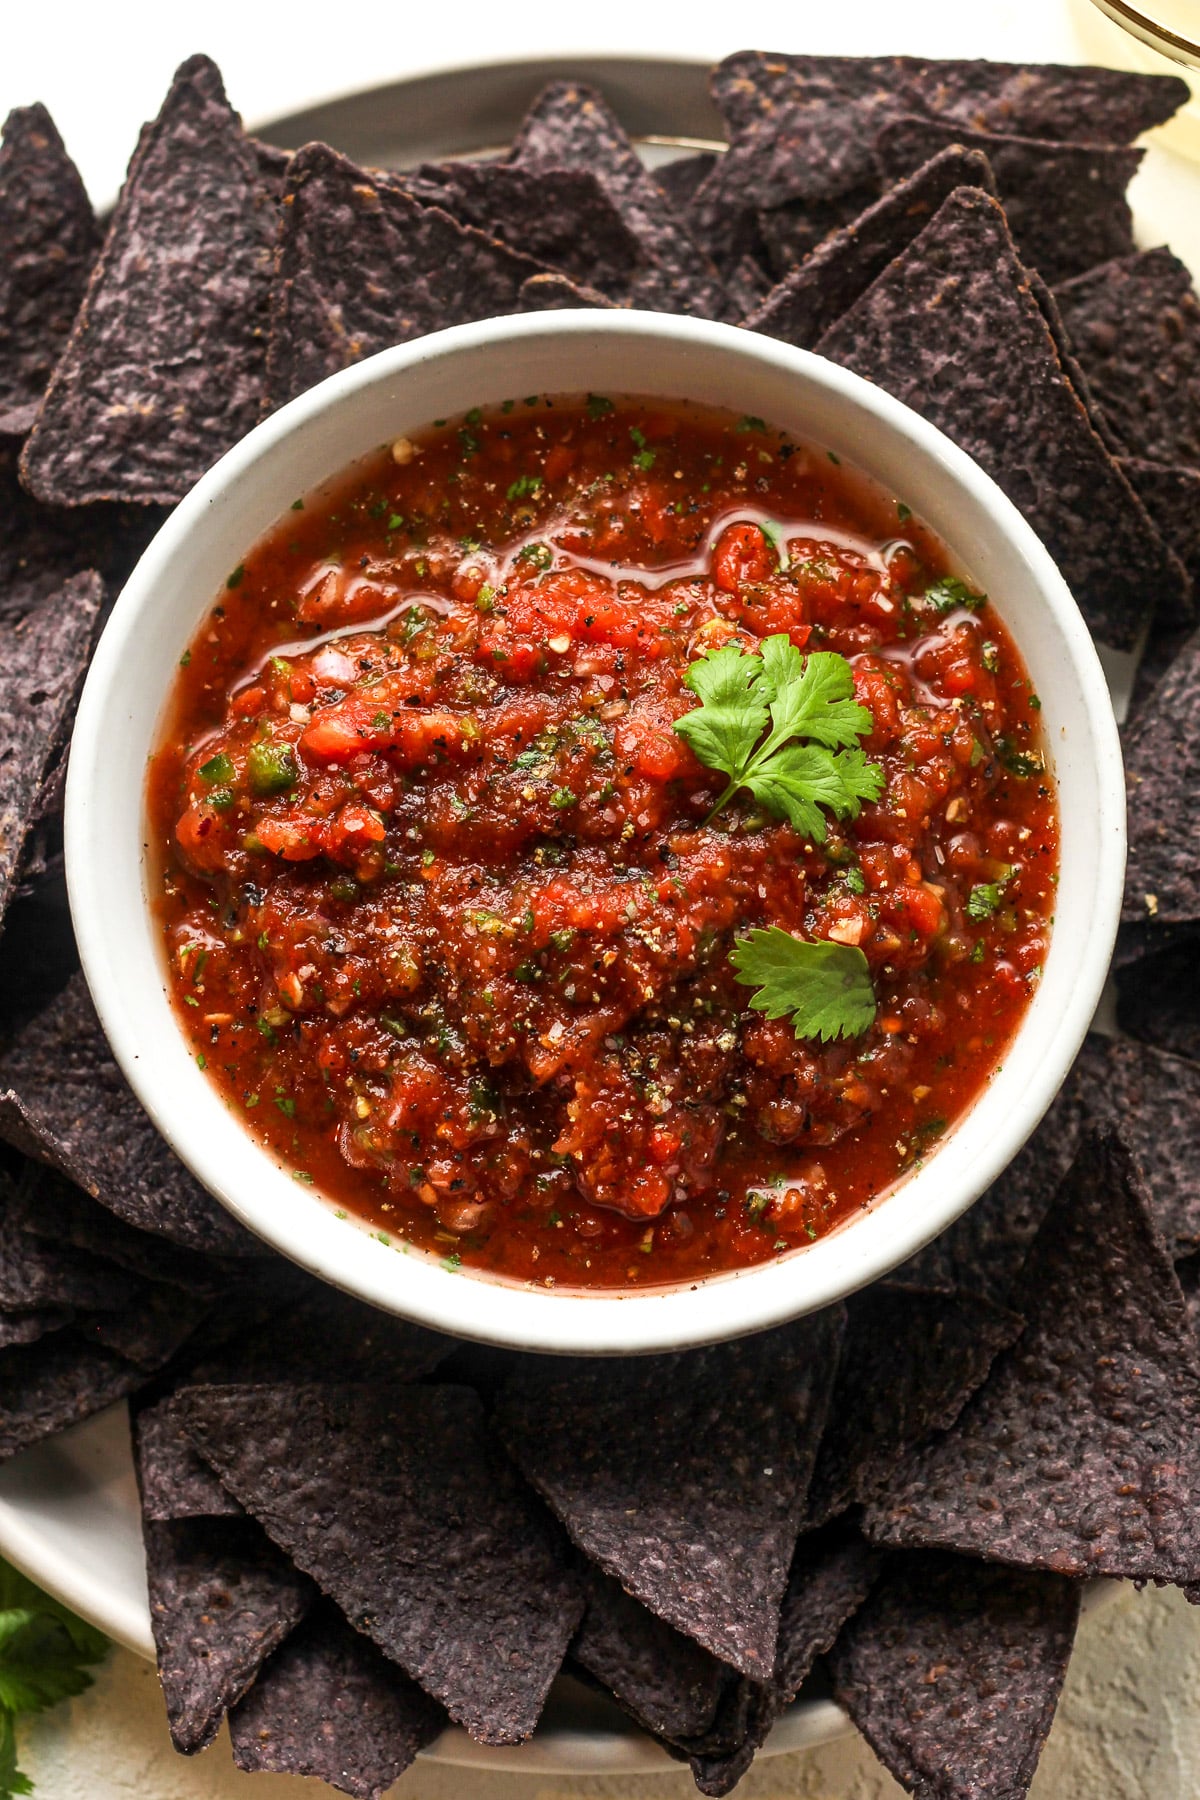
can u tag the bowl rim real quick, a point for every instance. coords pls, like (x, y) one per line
(462, 1303)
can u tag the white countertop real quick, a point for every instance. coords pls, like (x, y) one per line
(1129, 1724)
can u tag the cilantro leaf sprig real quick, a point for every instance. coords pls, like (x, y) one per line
(810, 761)
(44, 1655)
(824, 988)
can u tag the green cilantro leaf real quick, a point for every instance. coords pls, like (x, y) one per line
(824, 988)
(44, 1650)
(1021, 763)
(985, 897)
(797, 697)
(812, 696)
(725, 727)
(800, 779)
(948, 593)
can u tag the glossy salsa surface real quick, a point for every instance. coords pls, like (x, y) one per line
(446, 917)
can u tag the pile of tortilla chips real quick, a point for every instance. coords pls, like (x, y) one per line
(355, 1530)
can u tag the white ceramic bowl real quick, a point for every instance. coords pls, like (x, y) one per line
(397, 392)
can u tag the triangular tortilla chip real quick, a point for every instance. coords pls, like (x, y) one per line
(55, 1382)
(43, 660)
(64, 1101)
(361, 266)
(1135, 327)
(1065, 203)
(832, 1573)
(439, 1553)
(570, 126)
(669, 1684)
(561, 217)
(816, 293)
(329, 1705)
(165, 365)
(50, 239)
(910, 1362)
(804, 128)
(1081, 1452)
(221, 1599)
(684, 1477)
(952, 1672)
(952, 328)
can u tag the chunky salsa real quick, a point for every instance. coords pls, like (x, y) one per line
(471, 927)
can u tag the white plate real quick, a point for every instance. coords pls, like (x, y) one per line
(69, 1513)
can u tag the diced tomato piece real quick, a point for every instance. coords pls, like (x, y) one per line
(250, 701)
(742, 556)
(296, 838)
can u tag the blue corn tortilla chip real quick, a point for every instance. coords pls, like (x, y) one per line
(329, 1705)
(51, 240)
(43, 547)
(329, 1336)
(173, 1481)
(910, 1361)
(803, 128)
(561, 217)
(1081, 1451)
(665, 1680)
(45, 1205)
(1065, 203)
(43, 660)
(1162, 766)
(832, 1573)
(164, 369)
(362, 266)
(570, 126)
(55, 1382)
(1153, 1099)
(222, 1598)
(830, 104)
(1135, 327)
(441, 1555)
(684, 1477)
(63, 1101)
(1170, 492)
(811, 299)
(1158, 997)
(952, 1672)
(986, 371)
(36, 1272)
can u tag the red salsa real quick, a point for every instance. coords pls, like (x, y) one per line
(452, 910)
